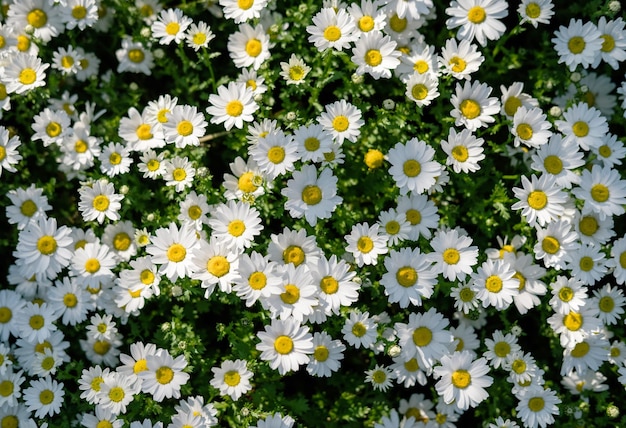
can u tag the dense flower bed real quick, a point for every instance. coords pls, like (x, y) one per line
(257, 213)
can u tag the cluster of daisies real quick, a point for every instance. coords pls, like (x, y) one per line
(98, 277)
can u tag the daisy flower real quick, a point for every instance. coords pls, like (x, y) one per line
(425, 337)
(236, 223)
(453, 255)
(554, 243)
(559, 158)
(402, 29)
(478, 19)
(535, 12)
(151, 164)
(194, 209)
(80, 149)
(413, 10)
(611, 152)
(275, 154)
(51, 126)
(589, 381)
(294, 71)
(90, 382)
(185, 126)
(574, 326)
(568, 294)
(139, 133)
(462, 379)
(332, 29)
(540, 199)
(296, 296)
(464, 151)
(66, 60)
(103, 417)
(312, 196)
(39, 16)
(409, 277)
(256, 278)
(394, 225)
(418, 61)
(119, 238)
(43, 248)
(179, 173)
(249, 46)
(583, 124)
(170, 26)
(343, 120)
(134, 57)
(578, 43)
(586, 356)
(326, 357)
(495, 284)
(360, 330)
(245, 182)
(513, 98)
(275, 421)
(92, 265)
(613, 50)
(171, 248)
(232, 105)
(135, 363)
(27, 205)
(473, 107)
(500, 348)
(521, 366)
(530, 127)
(366, 244)
(232, 378)
(313, 141)
(44, 397)
(592, 230)
(380, 377)
(115, 159)
(537, 406)
(242, 11)
(157, 111)
(588, 263)
(603, 192)
(79, 13)
(418, 407)
(99, 201)
(420, 212)
(214, 263)
(198, 35)
(376, 54)
(285, 345)
(460, 60)
(291, 246)
(413, 167)
(11, 388)
(164, 376)
(116, 392)
(530, 286)
(422, 88)
(367, 15)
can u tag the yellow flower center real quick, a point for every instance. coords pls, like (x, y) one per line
(100, 203)
(460, 153)
(422, 336)
(466, 294)
(566, 294)
(366, 23)
(311, 195)
(37, 18)
(101, 347)
(236, 228)
(606, 304)
(10, 421)
(79, 12)
(588, 225)
(476, 15)
(46, 245)
(586, 263)
(67, 61)
(70, 300)
(379, 376)
(245, 5)
(502, 349)
(92, 265)
(374, 158)
(605, 151)
(36, 322)
(493, 284)
(580, 129)
(194, 212)
(234, 108)
(162, 115)
(365, 244)
(458, 64)
(470, 109)
(28, 208)
(140, 365)
(537, 199)
(232, 378)
(116, 394)
(398, 24)
(332, 33)
(164, 375)
(245, 183)
(600, 193)
(451, 256)
(461, 379)
(96, 383)
(184, 128)
(115, 158)
(329, 285)
(522, 280)
(257, 280)
(536, 404)
(283, 344)
(373, 57)
(176, 253)
(293, 254)
(392, 227)
(23, 44)
(411, 168)
(121, 241)
(553, 164)
(406, 276)
(276, 154)
(136, 55)
(146, 277)
(218, 266)
(199, 39)
(153, 165)
(550, 245)
(179, 174)
(413, 216)
(412, 365)
(518, 366)
(359, 329)
(533, 10)
(340, 123)
(320, 353)
(573, 321)
(608, 43)
(254, 47)
(46, 397)
(6, 388)
(511, 105)
(296, 73)
(80, 146)
(576, 44)
(419, 91)
(291, 294)
(421, 66)
(172, 28)
(524, 131)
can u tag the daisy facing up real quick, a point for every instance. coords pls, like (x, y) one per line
(554, 242)
(460, 60)
(285, 345)
(164, 375)
(413, 166)
(559, 158)
(473, 107)
(343, 120)
(327, 355)
(236, 223)
(184, 127)
(214, 264)
(178, 172)
(171, 248)
(242, 11)
(540, 199)
(170, 26)
(495, 284)
(249, 46)
(478, 19)
(332, 29)
(422, 88)
(603, 192)
(44, 397)
(275, 154)
(537, 406)
(578, 43)
(360, 330)
(462, 380)
(535, 12)
(453, 255)
(134, 57)
(311, 196)
(409, 277)
(366, 244)
(585, 125)
(530, 127)
(464, 151)
(99, 201)
(294, 71)
(232, 105)
(232, 378)
(375, 53)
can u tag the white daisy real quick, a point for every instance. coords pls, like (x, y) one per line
(232, 378)
(99, 201)
(479, 19)
(473, 107)
(285, 344)
(578, 43)
(237, 223)
(171, 248)
(343, 120)
(332, 29)
(366, 244)
(376, 54)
